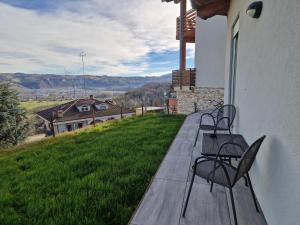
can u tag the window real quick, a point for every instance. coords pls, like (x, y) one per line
(102, 106)
(69, 127)
(85, 108)
(233, 61)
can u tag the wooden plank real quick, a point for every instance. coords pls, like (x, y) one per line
(206, 208)
(161, 204)
(174, 167)
(182, 147)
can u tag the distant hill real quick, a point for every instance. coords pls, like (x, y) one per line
(152, 94)
(52, 81)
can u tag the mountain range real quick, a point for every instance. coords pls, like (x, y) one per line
(53, 81)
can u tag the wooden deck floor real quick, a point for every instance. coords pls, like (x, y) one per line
(163, 202)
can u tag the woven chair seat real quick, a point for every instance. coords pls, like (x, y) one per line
(204, 170)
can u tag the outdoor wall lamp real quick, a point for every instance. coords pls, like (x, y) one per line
(254, 9)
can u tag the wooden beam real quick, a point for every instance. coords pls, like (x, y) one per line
(182, 53)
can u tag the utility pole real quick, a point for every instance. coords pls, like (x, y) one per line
(82, 55)
(74, 89)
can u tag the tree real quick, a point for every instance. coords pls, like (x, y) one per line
(13, 121)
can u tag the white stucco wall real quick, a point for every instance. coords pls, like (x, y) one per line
(268, 102)
(61, 127)
(210, 48)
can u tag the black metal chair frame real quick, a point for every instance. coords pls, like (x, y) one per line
(216, 121)
(217, 104)
(220, 164)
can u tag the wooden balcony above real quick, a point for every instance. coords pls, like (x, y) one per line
(206, 9)
(189, 26)
(187, 79)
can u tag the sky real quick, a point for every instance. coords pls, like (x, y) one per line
(119, 38)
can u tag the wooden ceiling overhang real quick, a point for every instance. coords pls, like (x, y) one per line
(189, 26)
(209, 8)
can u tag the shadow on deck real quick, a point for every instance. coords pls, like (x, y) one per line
(163, 203)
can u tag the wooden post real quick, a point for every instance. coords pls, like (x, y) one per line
(93, 114)
(52, 127)
(122, 111)
(182, 59)
(168, 109)
(142, 109)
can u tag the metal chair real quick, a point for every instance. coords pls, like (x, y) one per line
(215, 103)
(222, 173)
(222, 119)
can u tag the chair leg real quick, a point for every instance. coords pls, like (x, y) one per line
(189, 193)
(211, 186)
(252, 192)
(233, 206)
(212, 182)
(197, 136)
(246, 182)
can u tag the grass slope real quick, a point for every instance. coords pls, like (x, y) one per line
(97, 176)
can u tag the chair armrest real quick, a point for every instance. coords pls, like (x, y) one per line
(209, 158)
(201, 157)
(217, 164)
(207, 114)
(229, 143)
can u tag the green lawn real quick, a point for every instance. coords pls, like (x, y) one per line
(34, 106)
(96, 176)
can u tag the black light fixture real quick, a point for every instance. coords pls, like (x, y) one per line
(254, 9)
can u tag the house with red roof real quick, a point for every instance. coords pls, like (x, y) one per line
(79, 113)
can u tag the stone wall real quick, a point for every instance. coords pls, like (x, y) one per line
(199, 97)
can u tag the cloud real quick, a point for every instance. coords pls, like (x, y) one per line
(156, 74)
(118, 36)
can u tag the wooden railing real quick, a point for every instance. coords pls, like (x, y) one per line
(189, 26)
(188, 78)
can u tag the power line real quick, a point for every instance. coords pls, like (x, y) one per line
(82, 55)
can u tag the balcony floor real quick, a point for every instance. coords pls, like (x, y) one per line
(162, 204)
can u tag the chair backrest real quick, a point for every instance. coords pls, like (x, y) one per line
(247, 159)
(227, 111)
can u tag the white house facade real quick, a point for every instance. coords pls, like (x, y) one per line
(266, 91)
(80, 113)
(261, 78)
